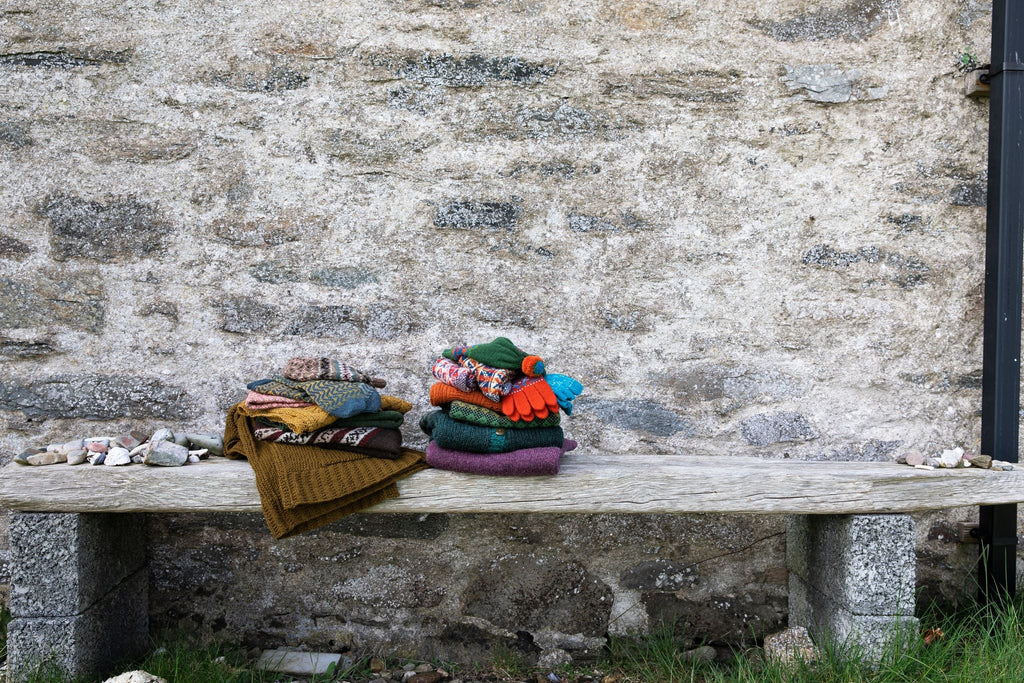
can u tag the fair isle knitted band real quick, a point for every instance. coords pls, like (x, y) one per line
(380, 443)
(492, 382)
(485, 417)
(307, 368)
(453, 374)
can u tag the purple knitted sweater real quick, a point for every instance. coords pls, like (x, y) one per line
(522, 463)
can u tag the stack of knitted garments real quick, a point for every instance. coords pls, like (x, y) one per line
(499, 411)
(322, 441)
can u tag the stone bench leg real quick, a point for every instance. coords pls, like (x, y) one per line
(852, 579)
(79, 592)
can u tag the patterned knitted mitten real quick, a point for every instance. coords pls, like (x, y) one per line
(453, 374)
(493, 382)
(307, 368)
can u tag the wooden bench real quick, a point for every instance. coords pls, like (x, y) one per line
(78, 557)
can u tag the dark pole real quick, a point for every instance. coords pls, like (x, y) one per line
(1000, 393)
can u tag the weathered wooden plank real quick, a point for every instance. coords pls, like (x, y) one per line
(588, 483)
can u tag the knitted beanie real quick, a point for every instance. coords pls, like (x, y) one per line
(306, 368)
(522, 463)
(478, 415)
(500, 353)
(461, 436)
(442, 394)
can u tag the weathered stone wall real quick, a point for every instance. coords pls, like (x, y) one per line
(748, 227)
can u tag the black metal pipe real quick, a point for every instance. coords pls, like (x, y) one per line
(1000, 393)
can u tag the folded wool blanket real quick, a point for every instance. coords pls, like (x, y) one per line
(521, 463)
(340, 399)
(386, 419)
(258, 401)
(462, 436)
(442, 394)
(478, 415)
(372, 441)
(453, 374)
(303, 487)
(306, 368)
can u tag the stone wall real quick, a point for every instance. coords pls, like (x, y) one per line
(748, 228)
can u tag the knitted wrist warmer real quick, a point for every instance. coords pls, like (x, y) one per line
(453, 374)
(493, 382)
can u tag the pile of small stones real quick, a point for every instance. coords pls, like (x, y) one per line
(951, 459)
(163, 448)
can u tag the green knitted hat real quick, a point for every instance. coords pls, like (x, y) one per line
(461, 436)
(502, 353)
(478, 415)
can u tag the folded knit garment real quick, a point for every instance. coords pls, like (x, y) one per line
(306, 368)
(340, 399)
(521, 463)
(372, 441)
(478, 415)
(299, 420)
(462, 436)
(386, 419)
(303, 487)
(394, 403)
(453, 374)
(442, 394)
(258, 401)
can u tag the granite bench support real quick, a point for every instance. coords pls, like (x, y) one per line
(78, 554)
(79, 592)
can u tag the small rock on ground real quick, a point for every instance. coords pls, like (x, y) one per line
(135, 677)
(789, 645)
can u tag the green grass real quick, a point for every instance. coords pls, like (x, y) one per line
(978, 645)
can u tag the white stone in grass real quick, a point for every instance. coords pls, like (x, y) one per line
(136, 677)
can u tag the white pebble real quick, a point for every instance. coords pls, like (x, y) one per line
(923, 467)
(118, 456)
(193, 458)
